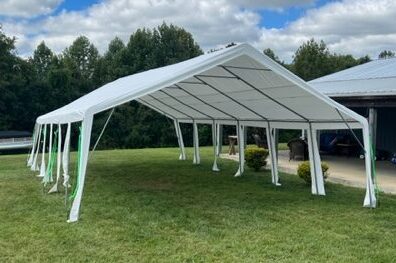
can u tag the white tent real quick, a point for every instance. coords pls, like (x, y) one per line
(234, 86)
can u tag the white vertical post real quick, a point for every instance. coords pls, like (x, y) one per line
(47, 178)
(84, 152)
(317, 183)
(303, 134)
(271, 140)
(54, 188)
(241, 149)
(215, 141)
(180, 141)
(370, 199)
(33, 166)
(66, 157)
(34, 142)
(42, 166)
(197, 158)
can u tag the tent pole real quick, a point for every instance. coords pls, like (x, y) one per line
(42, 166)
(272, 153)
(317, 183)
(65, 161)
(46, 178)
(197, 159)
(241, 149)
(34, 138)
(370, 199)
(215, 141)
(180, 141)
(33, 167)
(54, 188)
(85, 141)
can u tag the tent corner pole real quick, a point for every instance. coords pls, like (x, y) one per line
(197, 158)
(85, 142)
(317, 182)
(180, 140)
(369, 199)
(271, 140)
(241, 149)
(215, 128)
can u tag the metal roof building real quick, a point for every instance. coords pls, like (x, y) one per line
(370, 90)
(375, 78)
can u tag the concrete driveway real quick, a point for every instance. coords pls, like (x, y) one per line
(343, 170)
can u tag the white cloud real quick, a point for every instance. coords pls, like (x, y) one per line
(271, 4)
(357, 27)
(212, 22)
(27, 8)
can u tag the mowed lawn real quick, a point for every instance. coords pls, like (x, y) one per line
(147, 206)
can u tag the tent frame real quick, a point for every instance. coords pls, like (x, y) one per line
(195, 76)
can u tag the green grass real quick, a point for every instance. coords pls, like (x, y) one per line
(146, 206)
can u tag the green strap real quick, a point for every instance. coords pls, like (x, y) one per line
(74, 193)
(48, 174)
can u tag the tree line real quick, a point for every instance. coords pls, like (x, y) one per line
(45, 81)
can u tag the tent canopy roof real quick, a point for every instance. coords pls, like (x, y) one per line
(375, 78)
(237, 83)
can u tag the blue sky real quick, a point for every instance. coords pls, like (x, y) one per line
(270, 18)
(76, 5)
(280, 18)
(282, 25)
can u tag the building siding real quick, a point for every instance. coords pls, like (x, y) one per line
(386, 127)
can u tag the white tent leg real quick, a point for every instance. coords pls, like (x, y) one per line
(34, 167)
(317, 183)
(46, 178)
(370, 199)
(219, 137)
(215, 141)
(272, 154)
(66, 157)
(197, 158)
(180, 140)
(302, 134)
(42, 166)
(85, 141)
(54, 188)
(31, 155)
(241, 149)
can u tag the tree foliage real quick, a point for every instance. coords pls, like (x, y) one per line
(386, 54)
(313, 60)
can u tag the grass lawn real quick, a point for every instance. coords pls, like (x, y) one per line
(146, 206)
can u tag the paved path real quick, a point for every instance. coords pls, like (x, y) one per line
(343, 170)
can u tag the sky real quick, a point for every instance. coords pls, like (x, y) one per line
(356, 27)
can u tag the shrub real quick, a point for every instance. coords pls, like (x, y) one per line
(304, 172)
(255, 157)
